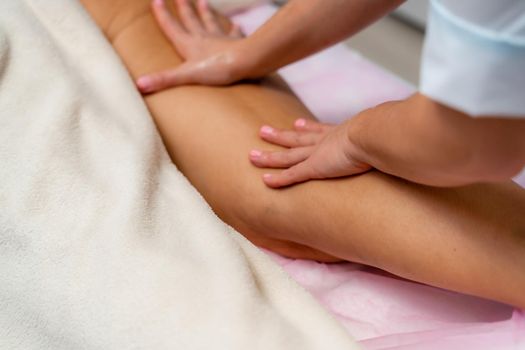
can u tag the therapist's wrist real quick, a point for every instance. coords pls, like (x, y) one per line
(356, 147)
(252, 59)
(369, 141)
(242, 64)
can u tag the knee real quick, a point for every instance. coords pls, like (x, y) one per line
(252, 209)
(261, 215)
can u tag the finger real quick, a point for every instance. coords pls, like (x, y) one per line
(298, 173)
(289, 138)
(281, 159)
(208, 18)
(236, 31)
(189, 18)
(184, 74)
(310, 125)
(169, 25)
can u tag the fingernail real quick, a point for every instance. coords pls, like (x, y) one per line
(158, 2)
(144, 83)
(267, 176)
(300, 122)
(267, 130)
(255, 153)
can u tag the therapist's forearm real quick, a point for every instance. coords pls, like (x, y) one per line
(425, 142)
(304, 27)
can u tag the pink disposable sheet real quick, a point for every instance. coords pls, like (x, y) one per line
(380, 310)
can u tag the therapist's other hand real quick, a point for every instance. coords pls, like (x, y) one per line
(315, 151)
(209, 52)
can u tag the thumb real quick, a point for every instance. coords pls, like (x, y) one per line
(186, 73)
(298, 173)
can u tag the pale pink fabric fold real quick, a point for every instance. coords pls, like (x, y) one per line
(385, 312)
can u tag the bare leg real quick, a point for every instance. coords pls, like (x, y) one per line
(469, 239)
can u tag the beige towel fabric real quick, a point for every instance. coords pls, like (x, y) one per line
(103, 243)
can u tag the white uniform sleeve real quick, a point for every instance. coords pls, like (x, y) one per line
(474, 56)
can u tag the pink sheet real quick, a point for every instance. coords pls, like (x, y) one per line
(379, 310)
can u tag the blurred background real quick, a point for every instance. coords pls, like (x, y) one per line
(396, 41)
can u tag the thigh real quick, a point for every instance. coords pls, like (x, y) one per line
(469, 239)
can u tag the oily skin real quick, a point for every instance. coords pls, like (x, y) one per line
(469, 239)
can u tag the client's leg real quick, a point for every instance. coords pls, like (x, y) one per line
(469, 239)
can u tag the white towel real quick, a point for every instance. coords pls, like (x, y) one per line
(103, 243)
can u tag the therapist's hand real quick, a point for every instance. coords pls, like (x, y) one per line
(315, 151)
(211, 55)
